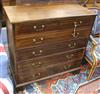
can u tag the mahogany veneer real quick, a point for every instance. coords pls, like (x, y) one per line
(46, 40)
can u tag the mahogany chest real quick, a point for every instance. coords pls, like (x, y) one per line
(46, 40)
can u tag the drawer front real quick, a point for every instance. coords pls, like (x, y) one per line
(49, 71)
(52, 24)
(49, 61)
(49, 49)
(46, 37)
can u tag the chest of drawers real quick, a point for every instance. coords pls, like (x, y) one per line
(46, 41)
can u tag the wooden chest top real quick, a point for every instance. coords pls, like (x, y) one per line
(17, 14)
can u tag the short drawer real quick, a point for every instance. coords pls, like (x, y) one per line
(46, 37)
(52, 24)
(46, 72)
(49, 49)
(49, 61)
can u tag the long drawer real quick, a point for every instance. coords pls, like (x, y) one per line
(46, 37)
(52, 24)
(44, 50)
(49, 61)
(27, 75)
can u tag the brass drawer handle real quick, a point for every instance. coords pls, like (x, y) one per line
(67, 67)
(72, 45)
(39, 28)
(76, 25)
(69, 56)
(37, 54)
(36, 75)
(37, 42)
(37, 64)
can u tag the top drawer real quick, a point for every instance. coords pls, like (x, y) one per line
(53, 24)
